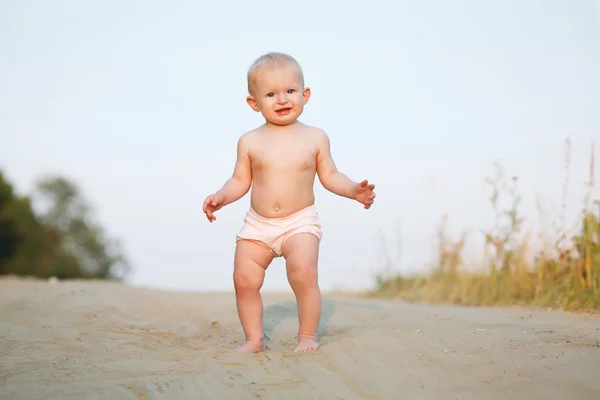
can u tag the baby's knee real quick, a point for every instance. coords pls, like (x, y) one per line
(245, 279)
(303, 273)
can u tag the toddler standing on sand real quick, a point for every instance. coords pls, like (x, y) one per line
(280, 159)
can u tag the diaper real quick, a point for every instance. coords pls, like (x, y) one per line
(274, 232)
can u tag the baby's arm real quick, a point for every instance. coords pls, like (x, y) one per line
(332, 179)
(238, 185)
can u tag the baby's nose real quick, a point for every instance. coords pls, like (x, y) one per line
(282, 98)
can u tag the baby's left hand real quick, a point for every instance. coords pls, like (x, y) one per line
(364, 193)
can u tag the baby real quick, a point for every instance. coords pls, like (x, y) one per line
(280, 160)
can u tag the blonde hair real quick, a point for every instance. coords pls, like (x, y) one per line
(269, 59)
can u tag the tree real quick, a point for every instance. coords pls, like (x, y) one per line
(9, 237)
(27, 247)
(61, 242)
(67, 212)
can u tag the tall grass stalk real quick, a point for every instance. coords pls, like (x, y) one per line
(563, 274)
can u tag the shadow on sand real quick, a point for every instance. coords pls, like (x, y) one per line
(279, 312)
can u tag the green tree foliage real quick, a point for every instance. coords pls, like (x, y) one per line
(60, 241)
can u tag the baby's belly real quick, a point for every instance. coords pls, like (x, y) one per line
(280, 198)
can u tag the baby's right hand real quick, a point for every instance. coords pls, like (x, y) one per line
(212, 203)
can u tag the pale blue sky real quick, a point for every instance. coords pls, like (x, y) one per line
(141, 104)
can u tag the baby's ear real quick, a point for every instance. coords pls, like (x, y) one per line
(306, 94)
(252, 103)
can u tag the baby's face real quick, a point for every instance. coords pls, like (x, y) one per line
(278, 93)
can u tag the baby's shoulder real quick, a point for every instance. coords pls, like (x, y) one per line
(317, 136)
(249, 137)
(245, 142)
(315, 133)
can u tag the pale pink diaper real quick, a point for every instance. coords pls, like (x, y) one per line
(274, 232)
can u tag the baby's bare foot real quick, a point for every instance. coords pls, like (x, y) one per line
(251, 347)
(306, 344)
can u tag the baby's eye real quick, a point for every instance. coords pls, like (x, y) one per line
(270, 94)
(291, 90)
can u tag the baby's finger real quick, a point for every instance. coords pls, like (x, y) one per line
(206, 203)
(209, 212)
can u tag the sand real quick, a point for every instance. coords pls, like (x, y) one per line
(99, 340)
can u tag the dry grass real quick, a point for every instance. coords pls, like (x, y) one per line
(563, 274)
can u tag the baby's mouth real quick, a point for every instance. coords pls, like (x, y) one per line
(283, 110)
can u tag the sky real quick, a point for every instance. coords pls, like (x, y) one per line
(141, 105)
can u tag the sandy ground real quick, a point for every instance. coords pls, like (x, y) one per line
(80, 340)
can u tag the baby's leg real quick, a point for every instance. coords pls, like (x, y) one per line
(301, 252)
(251, 260)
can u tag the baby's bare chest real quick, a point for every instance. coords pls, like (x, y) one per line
(290, 157)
